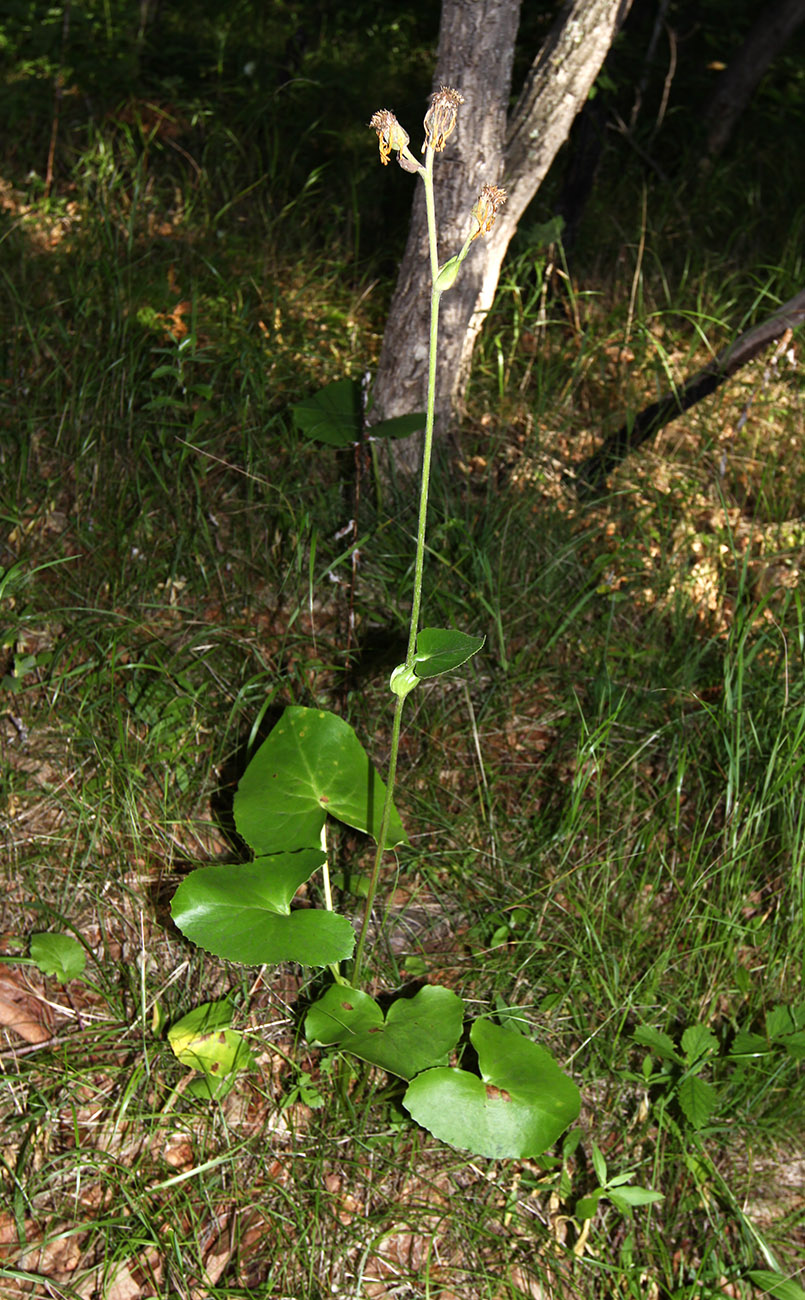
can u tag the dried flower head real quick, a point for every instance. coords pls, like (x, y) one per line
(486, 209)
(440, 119)
(389, 133)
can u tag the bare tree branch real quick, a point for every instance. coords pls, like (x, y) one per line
(592, 472)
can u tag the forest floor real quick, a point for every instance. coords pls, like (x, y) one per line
(606, 815)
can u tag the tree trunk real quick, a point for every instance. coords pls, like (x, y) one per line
(476, 50)
(764, 42)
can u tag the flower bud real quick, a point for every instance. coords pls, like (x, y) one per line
(440, 119)
(448, 273)
(403, 680)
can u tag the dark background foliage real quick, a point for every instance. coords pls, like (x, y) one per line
(275, 97)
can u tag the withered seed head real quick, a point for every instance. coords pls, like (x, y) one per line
(486, 209)
(440, 119)
(389, 133)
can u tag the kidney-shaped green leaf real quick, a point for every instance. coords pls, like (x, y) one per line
(441, 649)
(416, 1033)
(334, 415)
(58, 954)
(312, 764)
(242, 913)
(517, 1109)
(203, 1040)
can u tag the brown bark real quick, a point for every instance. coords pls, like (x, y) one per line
(764, 42)
(476, 50)
(591, 473)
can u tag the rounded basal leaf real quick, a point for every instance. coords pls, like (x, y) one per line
(58, 954)
(441, 649)
(416, 1032)
(517, 1109)
(202, 1040)
(334, 415)
(242, 913)
(312, 764)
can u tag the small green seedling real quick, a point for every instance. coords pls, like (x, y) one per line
(681, 1068)
(618, 1189)
(785, 1029)
(678, 1077)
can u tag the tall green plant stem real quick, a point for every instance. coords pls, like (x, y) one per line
(416, 603)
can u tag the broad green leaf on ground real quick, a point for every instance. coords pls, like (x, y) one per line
(334, 415)
(58, 954)
(517, 1109)
(416, 1032)
(312, 764)
(243, 913)
(794, 1044)
(202, 1040)
(208, 1087)
(776, 1284)
(441, 649)
(697, 1099)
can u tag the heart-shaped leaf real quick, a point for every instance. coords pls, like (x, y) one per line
(202, 1040)
(334, 415)
(416, 1033)
(242, 913)
(441, 649)
(312, 764)
(58, 954)
(517, 1109)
